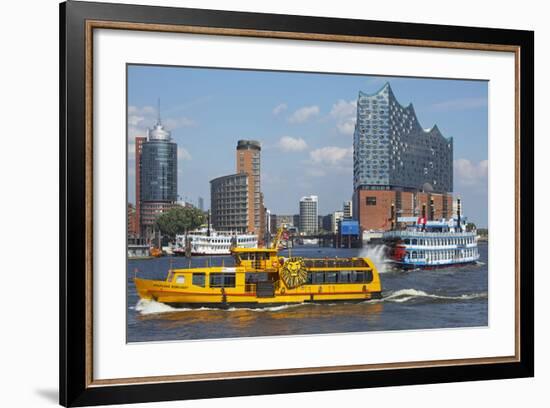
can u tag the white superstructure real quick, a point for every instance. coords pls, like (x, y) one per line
(214, 243)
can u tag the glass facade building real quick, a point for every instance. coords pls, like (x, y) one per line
(391, 150)
(158, 175)
(159, 167)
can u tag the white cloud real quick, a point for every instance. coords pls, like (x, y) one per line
(304, 114)
(343, 109)
(140, 118)
(331, 155)
(143, 111)
(135, 120)
(460, 104)
(347, 126)
(345, 114)
(292, 144)
(471, 174)
(183, 154)
(279, 108)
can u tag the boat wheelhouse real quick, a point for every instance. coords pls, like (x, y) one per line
(432, 243)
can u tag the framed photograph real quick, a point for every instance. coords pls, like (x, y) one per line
(258, 204)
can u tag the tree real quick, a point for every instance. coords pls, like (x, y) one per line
(179, 220)
(470, 226)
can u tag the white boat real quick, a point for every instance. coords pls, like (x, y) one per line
(205, 242)
(432, 244)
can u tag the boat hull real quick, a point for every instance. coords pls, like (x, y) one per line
(426, 265)
(182, 296)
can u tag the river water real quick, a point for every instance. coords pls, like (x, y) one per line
(418, 299)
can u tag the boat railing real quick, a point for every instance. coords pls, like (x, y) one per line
(424, 234)
(334, 263)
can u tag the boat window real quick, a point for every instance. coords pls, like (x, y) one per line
(414, 242)
(344, 277)
(180, 279)
(357, 276)
(318, 277)
(331, 277)
(222, 280)
(407, 241)
(253, 277)
(368, 276)
(199, 279)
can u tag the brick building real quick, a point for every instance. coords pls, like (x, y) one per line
(379, 209)
(249, 162)
(400, 169)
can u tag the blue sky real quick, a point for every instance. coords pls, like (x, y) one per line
(305, 124)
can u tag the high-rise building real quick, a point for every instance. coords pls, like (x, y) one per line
(158, 176)
(248, 161)
(229, 203)
(337, 216)
(399, 168)
(347, 208)
(201, 203)
(139, 140)
(308, 215)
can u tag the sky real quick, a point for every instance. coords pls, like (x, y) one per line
(304, 122)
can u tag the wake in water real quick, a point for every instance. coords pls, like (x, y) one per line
(377, 254)
(151, 307)
(405, 295)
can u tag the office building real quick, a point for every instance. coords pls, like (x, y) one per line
(399, 168)
(158, 169)
(229, 203)
(308, 215)
(337, 216)
(347, 208)
(249, 162)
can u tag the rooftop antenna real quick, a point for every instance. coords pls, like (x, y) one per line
(158, 111)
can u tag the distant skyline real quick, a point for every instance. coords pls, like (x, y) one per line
(305, 124)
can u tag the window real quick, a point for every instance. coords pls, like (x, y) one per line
(344, 277)
(199, 279)
(318, 277)
(222, 280)
(331, 277)
(371, 200)
(180, 279)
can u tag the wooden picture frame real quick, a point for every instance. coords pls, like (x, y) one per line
(78, 20)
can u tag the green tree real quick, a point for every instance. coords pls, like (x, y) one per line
(470, 226)
(179, 220)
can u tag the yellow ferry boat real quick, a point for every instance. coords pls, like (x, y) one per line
(261, 278)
